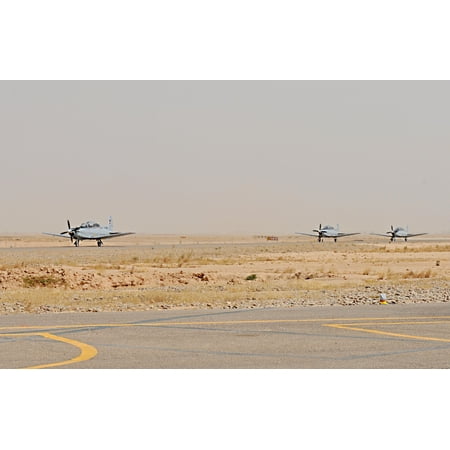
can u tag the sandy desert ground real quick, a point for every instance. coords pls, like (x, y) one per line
(44, 274)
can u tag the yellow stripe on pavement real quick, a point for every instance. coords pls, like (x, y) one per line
(386, 333)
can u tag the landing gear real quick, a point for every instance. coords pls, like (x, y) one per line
(99, 243)
(335, 239)
(76, 243)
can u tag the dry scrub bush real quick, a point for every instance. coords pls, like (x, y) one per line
(423, 274)
(33, 281)
(409, 274)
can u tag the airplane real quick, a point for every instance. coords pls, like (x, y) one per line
(328, 232)
(89, 231)
(398, 232)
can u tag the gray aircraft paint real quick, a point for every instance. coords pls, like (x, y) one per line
(399, 232)
(91, 231)
(327, 231)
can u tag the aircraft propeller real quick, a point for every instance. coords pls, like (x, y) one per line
(319, 230)
(391, 232)
(70, 231)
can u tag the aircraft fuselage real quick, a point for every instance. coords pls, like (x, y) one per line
(92, 233)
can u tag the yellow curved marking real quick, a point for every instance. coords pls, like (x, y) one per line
(87, 351)
(387, 333)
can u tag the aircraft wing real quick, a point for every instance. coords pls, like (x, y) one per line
(58, 235)
(307, 234)
(412, 235)
(345, 234)
(116, 234)
(379, 234)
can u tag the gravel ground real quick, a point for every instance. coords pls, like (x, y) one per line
(440, 292)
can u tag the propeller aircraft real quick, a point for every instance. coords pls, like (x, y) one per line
(328, 232)
(398, 232)
(89, 231)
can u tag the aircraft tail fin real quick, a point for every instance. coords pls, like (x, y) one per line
(110, 223)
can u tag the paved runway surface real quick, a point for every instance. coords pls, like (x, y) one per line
(366, 336)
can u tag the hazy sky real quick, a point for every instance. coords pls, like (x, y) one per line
(225, 156)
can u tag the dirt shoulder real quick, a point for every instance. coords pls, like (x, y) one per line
(39, 275)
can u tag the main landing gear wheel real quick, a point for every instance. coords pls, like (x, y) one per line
(76, 243)
(99, 243)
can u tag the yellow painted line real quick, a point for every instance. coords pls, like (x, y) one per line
(416, 322)
(231, 322)
(19, 334)
(386, 333)
(61, 327)
(168, 323)
(87, 351)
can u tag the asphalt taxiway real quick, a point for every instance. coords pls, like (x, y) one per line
(391, 336)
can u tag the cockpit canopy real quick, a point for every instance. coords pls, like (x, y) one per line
(90, 224)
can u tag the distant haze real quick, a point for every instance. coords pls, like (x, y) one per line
(225, 156)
